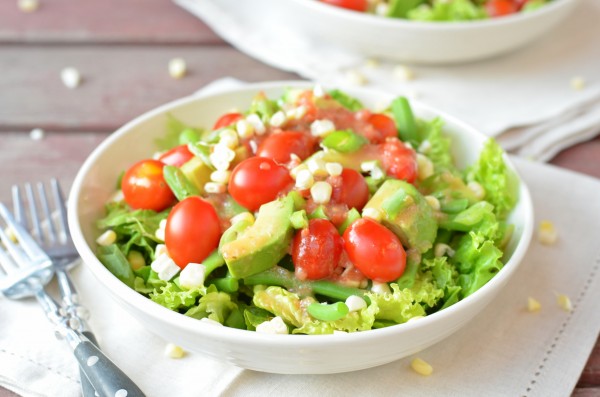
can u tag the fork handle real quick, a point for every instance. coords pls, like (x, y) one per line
(106, 378)
(87, 390)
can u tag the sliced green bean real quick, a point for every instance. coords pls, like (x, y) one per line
(332, 312)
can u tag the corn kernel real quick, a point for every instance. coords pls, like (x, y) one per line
(107, 238)
(174, 351)
(278, 119)
(136, 259)
(334, 169)
(321, 192)
(244, 128)
(317, 167)
(547, 233)
(355, 77)
(160, 232)
(36, 134)
(355, 303)
(221, 157)
(577, 83)
(243, 216)
(318, 91)
(424, 166)
(380, 288)
(294, 171)
(229, 138)
(533, 305)
(564, 302)
(322, 127)
(10, 233)
(177, 68)
(382, 9)
(403, 73)
(256, 123)
(477, 189)
(220, 176)
(304, 180)
(28, 5)
(70, 77)
(214, 187)
(433, 202)
(372, 213)
(421, 367)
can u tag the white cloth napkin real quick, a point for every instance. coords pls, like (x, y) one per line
(524, 98)
(505, 351)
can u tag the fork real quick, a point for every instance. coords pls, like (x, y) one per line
(24, 271)
(58, 245)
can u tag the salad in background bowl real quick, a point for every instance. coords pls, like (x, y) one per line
(348, 221)
(443, 32)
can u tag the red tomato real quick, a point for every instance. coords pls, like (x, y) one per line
(398, 160)
(384, 125)
(353, 190)
(498, 8)
(316, 250)
(226, 120)
(258, 180)
(177, 156)
(375, 250)
(193, 231)
(356, 5)
(280, 145)
(144, 186)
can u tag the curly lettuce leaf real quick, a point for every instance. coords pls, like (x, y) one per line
(499, 182)
(444, 10)
(439, 145)
(174, 297)
(214, 305)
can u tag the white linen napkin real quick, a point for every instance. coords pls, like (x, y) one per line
(526, 95)
(504, 351)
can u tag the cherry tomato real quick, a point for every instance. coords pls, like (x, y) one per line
(280, 145)
(356, 5)
(353, 190)
(398, 160)
(375, 250)
(258, 180)
(144, 186)
(498, 8)
(193, 231)
(177, 156)
(226, 120)
(316, 250)
(384, 125)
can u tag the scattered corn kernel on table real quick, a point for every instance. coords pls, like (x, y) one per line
(122, 49)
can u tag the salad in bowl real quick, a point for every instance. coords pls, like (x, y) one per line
(308, 213)
(276, 244)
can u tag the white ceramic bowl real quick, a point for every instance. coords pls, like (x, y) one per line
(291, 354)
(423, 42)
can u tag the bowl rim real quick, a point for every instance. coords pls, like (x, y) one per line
(232, 335)
(375, 21)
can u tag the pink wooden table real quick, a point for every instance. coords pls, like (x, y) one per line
(122, 48)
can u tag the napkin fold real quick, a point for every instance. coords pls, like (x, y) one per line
(504, 351)
(525, 98)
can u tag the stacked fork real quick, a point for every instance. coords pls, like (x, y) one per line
(26, 266)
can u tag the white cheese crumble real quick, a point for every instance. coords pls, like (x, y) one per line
(322, 127)
(192, 276)
(165, 267)
(274, 326)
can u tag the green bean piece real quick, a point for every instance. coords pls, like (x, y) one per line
(236, 319)
(344, 141)
(318, 213)
(225, 284)
(405, 120)
(181, 187)
(299, 219)
(351, 217)
(189, 135)
(212, 262)
(332, 312)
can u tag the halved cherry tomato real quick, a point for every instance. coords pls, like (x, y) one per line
(280, 145)
(498, 8)
(384, 125)
(398, 160)
(144, 186)
(356, 5)
(375, 250)
(258, 180)
(177, 156)
(227, 119)
(316, 250)
(193, 231)
(353, 190)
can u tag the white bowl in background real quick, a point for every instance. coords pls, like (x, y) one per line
(289, 354)
(423, 42)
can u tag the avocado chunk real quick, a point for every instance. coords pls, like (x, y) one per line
(261, 245)
(197, 172)
(406, 213)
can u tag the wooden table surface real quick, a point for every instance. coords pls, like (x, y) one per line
(122, 48)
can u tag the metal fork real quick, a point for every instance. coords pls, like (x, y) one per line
(56, 242)
(24, 270)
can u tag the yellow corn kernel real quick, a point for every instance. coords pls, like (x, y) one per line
(547, 233)
(174, 351)
(421, 367)
(10, 233)
(136, 260)
(533, 305)
(177, 68)
(107, 238)
(28, 5)
(564, 302)
(577, 83)
(321, 192)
